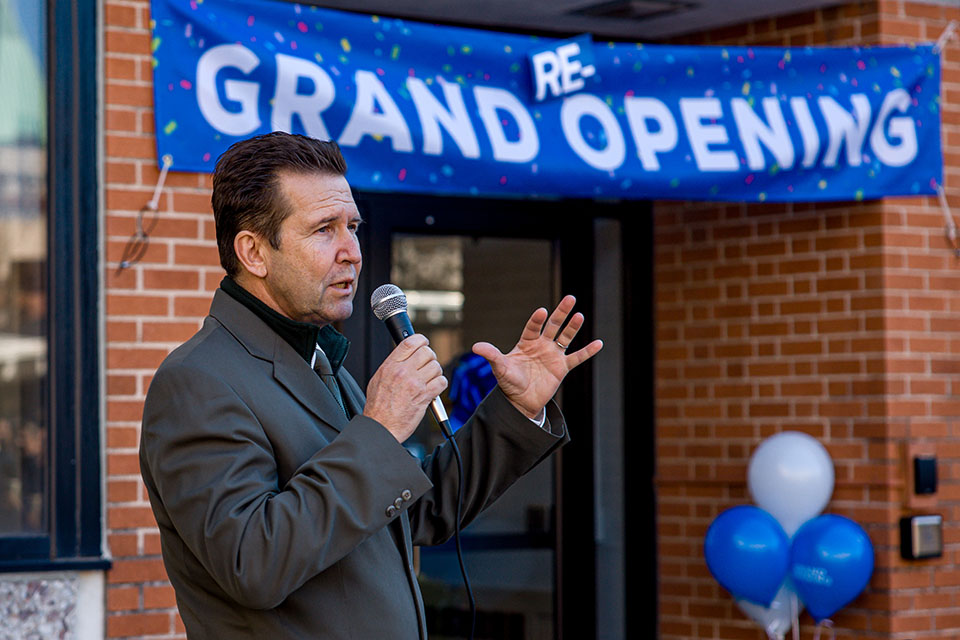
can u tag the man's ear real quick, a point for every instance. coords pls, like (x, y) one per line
(250, 249)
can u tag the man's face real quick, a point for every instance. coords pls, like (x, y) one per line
(313, 276)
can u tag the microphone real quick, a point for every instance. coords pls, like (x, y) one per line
(390, 307)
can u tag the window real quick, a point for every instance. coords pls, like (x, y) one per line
(49, 378)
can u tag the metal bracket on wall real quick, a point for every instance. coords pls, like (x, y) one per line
(137, 245)
(950, 227)
(948, 33)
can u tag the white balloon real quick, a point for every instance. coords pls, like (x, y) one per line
(776, 619)
(791, 478)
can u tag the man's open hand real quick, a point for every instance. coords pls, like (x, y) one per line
(532, 372)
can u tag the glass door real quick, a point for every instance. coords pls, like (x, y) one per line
(548, 560)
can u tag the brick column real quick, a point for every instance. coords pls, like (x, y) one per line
(839, 320)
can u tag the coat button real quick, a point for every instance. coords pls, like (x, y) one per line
(398, 503)
(391, 511)
(406, 495)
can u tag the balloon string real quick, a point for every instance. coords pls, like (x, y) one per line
(771, 634)
(825, 624)
(795, 615)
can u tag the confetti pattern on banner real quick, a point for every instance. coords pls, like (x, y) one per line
(431, 109)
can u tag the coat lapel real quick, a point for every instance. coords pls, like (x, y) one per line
(289, 369)
(352, 393)
(305, 385)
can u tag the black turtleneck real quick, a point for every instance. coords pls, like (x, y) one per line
(302, 336)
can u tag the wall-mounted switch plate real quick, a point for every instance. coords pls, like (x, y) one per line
(921, 537)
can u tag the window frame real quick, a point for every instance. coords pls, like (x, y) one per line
(74, 536)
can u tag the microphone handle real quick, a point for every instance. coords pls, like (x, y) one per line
(401, 328)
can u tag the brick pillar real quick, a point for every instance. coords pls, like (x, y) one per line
(838, 320)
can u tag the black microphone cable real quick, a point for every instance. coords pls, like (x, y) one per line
(389, 305)
(448, 434)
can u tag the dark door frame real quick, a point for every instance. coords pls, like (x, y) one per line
(568, 224)
(639, 496)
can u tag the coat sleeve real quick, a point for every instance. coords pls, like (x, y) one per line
(498, 445)
(212, 478)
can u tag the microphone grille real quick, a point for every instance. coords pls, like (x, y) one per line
(386, 300)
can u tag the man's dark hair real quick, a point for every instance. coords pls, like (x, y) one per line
(246, 185)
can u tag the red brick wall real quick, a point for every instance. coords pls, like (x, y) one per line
(150, 308)
(838, 320)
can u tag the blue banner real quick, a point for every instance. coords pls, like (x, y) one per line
(432, 109)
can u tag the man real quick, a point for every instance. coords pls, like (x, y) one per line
(287, 506)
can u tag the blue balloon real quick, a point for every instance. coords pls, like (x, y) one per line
(748, 553)
(831, 561)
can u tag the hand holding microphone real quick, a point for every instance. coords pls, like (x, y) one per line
(410, 378)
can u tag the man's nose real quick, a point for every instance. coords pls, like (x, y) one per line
(349, 250)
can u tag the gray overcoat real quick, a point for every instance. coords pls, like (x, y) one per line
(279, 518)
